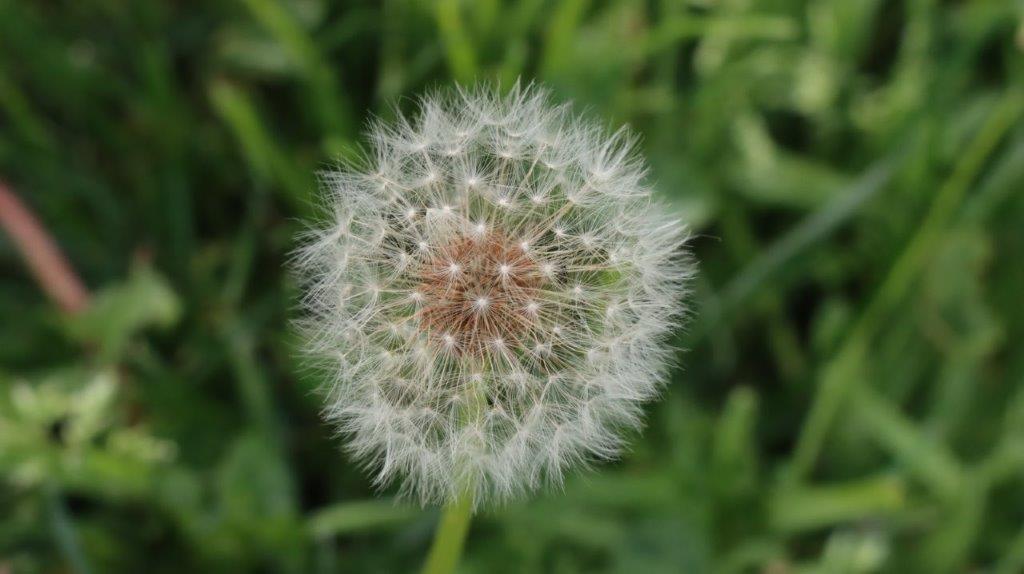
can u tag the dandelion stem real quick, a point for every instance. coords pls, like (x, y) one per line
(457, 514)
(450, 536)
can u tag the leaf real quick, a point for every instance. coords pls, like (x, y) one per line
(358, 517)
(254, 484)
(121, 311)
(795, 508)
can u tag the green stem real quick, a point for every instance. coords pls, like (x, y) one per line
(455, 518)
(450, 536)
(64, 531)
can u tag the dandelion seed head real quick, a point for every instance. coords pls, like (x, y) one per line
(492, 295)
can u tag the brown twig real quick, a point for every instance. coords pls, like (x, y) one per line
(45, 259)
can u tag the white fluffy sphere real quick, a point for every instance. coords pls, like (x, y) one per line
(492, 295)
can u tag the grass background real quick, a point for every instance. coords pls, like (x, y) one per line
(852, 397)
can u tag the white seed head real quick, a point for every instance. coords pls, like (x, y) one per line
(526, 321)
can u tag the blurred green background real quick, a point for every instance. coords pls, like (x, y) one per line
(852, 395)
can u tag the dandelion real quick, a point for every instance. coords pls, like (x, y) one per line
(492, 295)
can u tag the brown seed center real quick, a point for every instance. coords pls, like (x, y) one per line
(478, 294)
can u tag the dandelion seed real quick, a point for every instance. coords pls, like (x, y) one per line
(528, 313)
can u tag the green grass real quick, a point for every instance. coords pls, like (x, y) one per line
(851, 399)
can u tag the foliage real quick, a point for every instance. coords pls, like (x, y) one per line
(851, 398)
